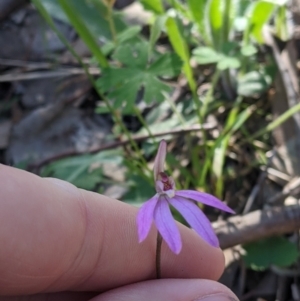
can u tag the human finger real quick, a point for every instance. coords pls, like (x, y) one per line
(55, 237)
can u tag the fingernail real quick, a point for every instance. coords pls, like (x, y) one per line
(66, 186)
(216, 297)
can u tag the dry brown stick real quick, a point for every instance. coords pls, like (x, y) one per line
(257, 225)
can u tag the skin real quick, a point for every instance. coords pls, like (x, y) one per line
(62, 243)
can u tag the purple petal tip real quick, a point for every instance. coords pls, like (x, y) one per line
(160, 159)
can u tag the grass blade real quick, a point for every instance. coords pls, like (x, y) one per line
(83, 31)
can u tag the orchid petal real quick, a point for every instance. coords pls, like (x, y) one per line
(159, 186)
(166, 225)
(145, 217)
(204, 198)
(160, 159)
(196, 219)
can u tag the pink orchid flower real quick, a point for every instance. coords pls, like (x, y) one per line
(157, 209)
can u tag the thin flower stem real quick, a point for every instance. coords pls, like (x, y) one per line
(158, 255)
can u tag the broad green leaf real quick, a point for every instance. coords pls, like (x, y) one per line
(129, 35)
(260, 14)
(248, 50)
(132, 55)
(116, 76)
(277, 251)
(122, 84)
(252, 83)
(181, 48)
(205, 55)
(154, 88)
(155, 6)
(197, 9)
(83, 31)
(227, 62)
(83, 171)
(169, 64)
(125, 94)
(229, 48)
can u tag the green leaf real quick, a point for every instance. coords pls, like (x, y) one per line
(132, 55)
(129, 35)
(205, 55)
(215, 20)
(169, 64)
(277, 122)
(155, 6)
(252, 83)
(281, 24)
(154, 89)
(156, 29)
(181, 48)
(248, 50)
(229, 48)
(260, 14)
(277, 251)
(122, 84)
(83, 31)
(227, 62)
(197, 10)
(83, 171)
